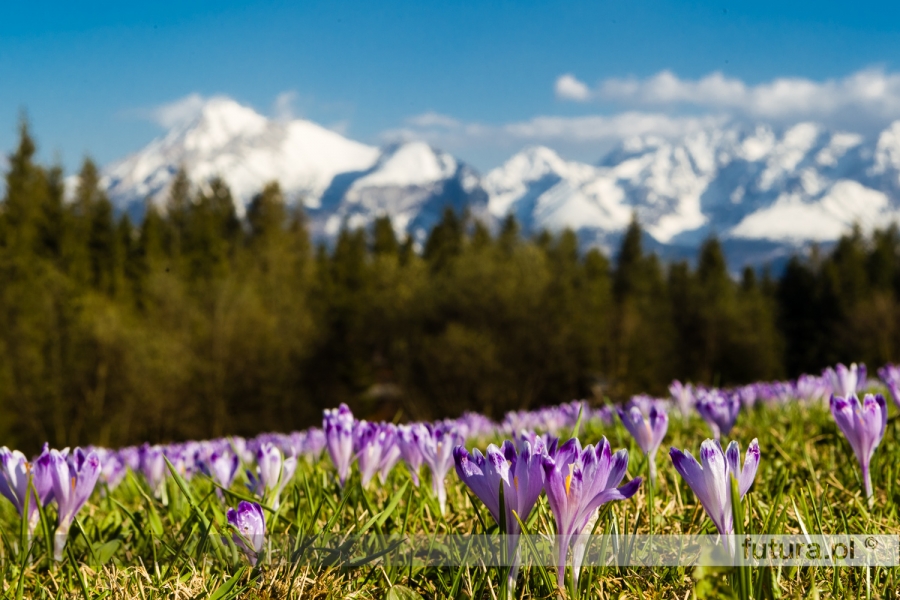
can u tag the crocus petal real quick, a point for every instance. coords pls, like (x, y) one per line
(691, 471)
(751, 463)
(608, 495)
(484, 483)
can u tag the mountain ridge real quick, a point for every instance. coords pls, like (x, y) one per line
(752, 185)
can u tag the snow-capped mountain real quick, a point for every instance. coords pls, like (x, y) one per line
(744, 185)
(338, 180)
(246, 149)
(764, 191)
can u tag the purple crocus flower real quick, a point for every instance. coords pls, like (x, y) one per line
(648, 431)
(183, 459)
(605, 414)
(710, 479)
(16, 474)
(113, 468)
(473, 425)
(242, 448)
(890, 375)
(153, 467)
(409, 438)
(249, 523)
(519, 471)
(221, 466)
(376, 450)
(645, 402)
(846, 381)
(749, 394)
(719, 409)
(308, 444)
(437, 452)
(812, 388)
(338, 426)
(73, 478)
(315, 443)
(683, 396)
(863, 425)
(131, 456)
(273, 472)
(579, 482)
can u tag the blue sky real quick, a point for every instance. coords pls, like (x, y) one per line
(480, 79)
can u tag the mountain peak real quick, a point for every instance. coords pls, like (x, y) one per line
(227, 139)
(410, 163)
(218, 122)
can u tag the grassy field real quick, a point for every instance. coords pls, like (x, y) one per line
(126, 543)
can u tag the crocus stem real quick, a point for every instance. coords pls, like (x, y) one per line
(651, 459)
(867, 483)
(33, 522)
(59, 541)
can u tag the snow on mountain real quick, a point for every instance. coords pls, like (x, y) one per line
(412, 183)
(339, 181)
(246, 150)
(544, 191)
(760, 189)
(791, 218)
(803, 184)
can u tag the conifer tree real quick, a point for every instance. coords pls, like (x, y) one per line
(178, 205)
(384, 240)
(445, 240)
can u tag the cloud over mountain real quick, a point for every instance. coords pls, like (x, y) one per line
(870, 97)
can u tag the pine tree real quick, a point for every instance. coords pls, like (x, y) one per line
(628, 262)
(384, 240)
(445, 240)
(106, 260)
(178, 207)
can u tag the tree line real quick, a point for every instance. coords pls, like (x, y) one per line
(197, 323)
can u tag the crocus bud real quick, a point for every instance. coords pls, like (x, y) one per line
(437, 452)
(409, 439)
(518, 468)
(890, 375)
(710, 479)
(153, 467)
(719, 409)
(249, 523)
(338, 426)
(683, 395)
(863, 424)
(74, 477)
(222, 467)
(376, 449)
(648, 431)
(273, 473)
(846, 380)
(19, 480)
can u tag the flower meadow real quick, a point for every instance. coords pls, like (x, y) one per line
(288, 515)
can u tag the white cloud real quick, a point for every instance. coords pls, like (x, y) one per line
(176, 113)
(867, 97)
(569, 88)
(342, 127)
(580, 137)
(434, 128)
(598, 128)
(433, 119)
(283, 107)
